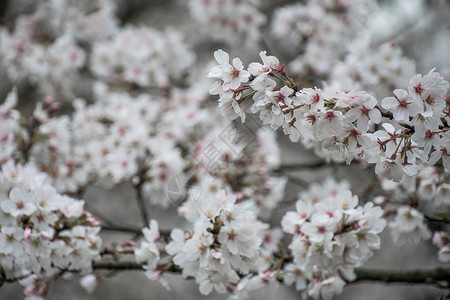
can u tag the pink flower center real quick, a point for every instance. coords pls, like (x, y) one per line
(20, 205)
(321, 229)
(402, 103)
(235, 73)
(418, 88)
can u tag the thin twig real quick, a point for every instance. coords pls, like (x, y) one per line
(302, 166)
(437, 219)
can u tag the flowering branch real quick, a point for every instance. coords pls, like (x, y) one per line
(149, 124)
(438, 276)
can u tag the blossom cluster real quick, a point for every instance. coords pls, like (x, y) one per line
(42, 232)
(150, 58)
(225, 242)
(109, 141)
(441, 240)
(136, 126)
(335, 122)
(379, 70)
(118, 137)
(409, 225)
(428, 184)
(53, 45)
(248, 175)
(331, 235)
(148, 253)
(428, 189)
(44, 46)
(321, 29)
(236, 20)
(236, 187)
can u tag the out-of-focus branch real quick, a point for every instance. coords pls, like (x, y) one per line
(3, 7)
(128, 265)
(437, 219)
(269, 6)
(302, 166)
(128, 9)
(142, 206)
(439, 276)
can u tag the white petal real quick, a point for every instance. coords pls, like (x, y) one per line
(255, 68)
(375, 116)
(389, 103)
(222, 57)
(237, 63)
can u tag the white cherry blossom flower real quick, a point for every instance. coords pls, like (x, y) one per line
(20, 203)
(402, 105)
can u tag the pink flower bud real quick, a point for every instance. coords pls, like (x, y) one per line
(27, 234)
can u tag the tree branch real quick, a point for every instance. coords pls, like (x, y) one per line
(437, 219)
(128, 265)
(141, 204)
(439, 276)
(301, 166)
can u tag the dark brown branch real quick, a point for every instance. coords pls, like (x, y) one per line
(439, 276)
(141, 204)
(437, 219)
(130, 9)
(129, 265)
(302, 166)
